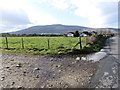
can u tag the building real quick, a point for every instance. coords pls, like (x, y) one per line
(83, 35)
(70, 34)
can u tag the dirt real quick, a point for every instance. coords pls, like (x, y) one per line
(37, 71)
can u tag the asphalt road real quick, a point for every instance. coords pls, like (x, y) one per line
(107, 75)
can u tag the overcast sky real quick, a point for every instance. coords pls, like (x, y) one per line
(20, 14)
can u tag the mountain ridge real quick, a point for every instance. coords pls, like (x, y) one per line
(55, 28)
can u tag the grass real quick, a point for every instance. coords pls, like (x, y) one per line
(39, 45)
(58, 45)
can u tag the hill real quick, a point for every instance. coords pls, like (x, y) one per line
(56, 28)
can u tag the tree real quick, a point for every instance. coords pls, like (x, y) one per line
(76, 34)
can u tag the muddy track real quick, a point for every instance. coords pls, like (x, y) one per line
(31, 71)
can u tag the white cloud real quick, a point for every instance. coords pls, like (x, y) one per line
(88, 9)
(60, 4)
(18, 14)
(41, 18)
(38, 17)
(91, 10)
(23, 12)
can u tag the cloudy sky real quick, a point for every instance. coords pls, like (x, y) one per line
(20, 14)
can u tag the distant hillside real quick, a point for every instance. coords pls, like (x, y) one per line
(56, 28)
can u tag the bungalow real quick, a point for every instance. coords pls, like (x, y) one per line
(93, 33)
(70, 34)
(83, 35)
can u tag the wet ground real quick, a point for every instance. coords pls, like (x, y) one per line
(99, 70)
(107, 75)
(45, 71)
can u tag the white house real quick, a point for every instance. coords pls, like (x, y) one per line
(70, 34)
(83, 35)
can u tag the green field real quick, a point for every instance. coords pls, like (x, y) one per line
(40, 44)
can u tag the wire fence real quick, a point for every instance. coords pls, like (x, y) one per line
(45, 42)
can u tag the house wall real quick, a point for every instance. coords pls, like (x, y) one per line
(70, 35)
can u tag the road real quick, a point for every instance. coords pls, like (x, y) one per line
(107, 75)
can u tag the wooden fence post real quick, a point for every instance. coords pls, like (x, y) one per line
(22, 43)
(6, 42)
(86, 40)
(48, 44)
(79, 38)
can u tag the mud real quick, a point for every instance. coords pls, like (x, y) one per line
(36, 71)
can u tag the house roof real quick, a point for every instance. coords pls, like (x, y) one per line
(70, 32)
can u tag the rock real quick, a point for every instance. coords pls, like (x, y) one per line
(69, 65)
(12, 60)
(58, 66)
(73, 71)
(18, 65)
(82, 83)
(36, 68)
(37, 76)
(50, 85)
(7, 67)
(24, 72)
(83, 58)
(91, 74)
(42, 86)
(12, 83)
(59, 70)
(59, 53)
(73, 62)
(102, 50)
(2, 78)
(54, 74)
(20, 87)
(51, 59)
(78, 58)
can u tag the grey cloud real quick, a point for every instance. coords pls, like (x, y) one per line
(110, 11)
(13, 20)
(13, 17)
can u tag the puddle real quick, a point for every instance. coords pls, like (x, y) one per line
(95, 56)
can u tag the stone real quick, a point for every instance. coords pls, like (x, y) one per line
(42, 86)
(51, 59)
(20, 87)
(78, 58)
(7, 67)
(2, 78)
(37, 76)
(18, 65)
(36, 68)
(12, 83)
(83, 58)
(74, 62)
(91, 74)
(102, 50)
(12, 60)
(50, 86)
(59, 53)
(58, 66)
(106, 73)
(59, 70)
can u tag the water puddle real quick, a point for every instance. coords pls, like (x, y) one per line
(95, 56)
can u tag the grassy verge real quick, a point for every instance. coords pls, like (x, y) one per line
(93, 47)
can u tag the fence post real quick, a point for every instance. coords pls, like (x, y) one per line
(79, 38)
(6, 42)
(86, 40)
(22, 43)
(48, 44)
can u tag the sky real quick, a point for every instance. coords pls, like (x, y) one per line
(20, 14)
